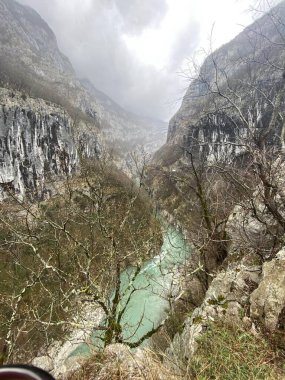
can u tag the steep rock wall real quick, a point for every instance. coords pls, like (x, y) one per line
(235, 93)
(36, 144)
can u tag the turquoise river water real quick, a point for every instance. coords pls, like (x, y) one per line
(149, 303)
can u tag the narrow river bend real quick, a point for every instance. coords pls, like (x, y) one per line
(156, 284)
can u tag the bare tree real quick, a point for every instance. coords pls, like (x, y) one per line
(230, 150)
(59, 254)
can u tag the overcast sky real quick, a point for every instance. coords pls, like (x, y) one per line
(138, 51)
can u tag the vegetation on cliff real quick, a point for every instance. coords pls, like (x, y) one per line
(69, 250)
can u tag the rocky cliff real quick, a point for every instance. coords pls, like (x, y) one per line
(235, 93)
(49, 117)
(28, 42)
(244, 294)
(36, 144)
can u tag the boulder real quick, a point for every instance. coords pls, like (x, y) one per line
(267, 302)
(43, 362)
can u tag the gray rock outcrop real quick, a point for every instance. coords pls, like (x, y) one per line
(36, 144)
(226, 300)
(267, 302)
(242, 294)
(28, 43)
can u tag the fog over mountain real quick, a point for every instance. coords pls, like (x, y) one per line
(134, 51)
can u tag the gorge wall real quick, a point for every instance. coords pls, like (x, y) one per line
(233, 108)
(49, 117)
(36, 143)
(30, 61)
(234, 94)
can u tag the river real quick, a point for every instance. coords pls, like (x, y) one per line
(156, 285)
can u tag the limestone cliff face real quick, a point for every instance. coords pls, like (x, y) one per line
(36, 144)
(31, 61)
(234, 93)
(242, 294)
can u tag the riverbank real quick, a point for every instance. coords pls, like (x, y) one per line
(146, 300)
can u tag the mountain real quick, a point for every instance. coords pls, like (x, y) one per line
(233, 94)
(31, 61)
(28, 43)
(50, 118)
(218, 186)
(124, 127)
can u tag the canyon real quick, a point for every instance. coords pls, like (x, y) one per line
(78, 229)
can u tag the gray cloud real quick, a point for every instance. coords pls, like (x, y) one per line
(138, 14)
(186, 44)
(90, 34)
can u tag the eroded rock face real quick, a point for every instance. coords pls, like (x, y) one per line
(242, 294)
(268, 300)
(36, 145)
(227, 299)
(220, 111)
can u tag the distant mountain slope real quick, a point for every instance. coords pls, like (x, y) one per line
(27, 40)
(242, 79)
(136, 129)
(30, 61)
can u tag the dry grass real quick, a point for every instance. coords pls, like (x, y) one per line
(224, 353)
(128, 366)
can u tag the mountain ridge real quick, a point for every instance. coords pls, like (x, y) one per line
(252, 61)
(30, 60)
